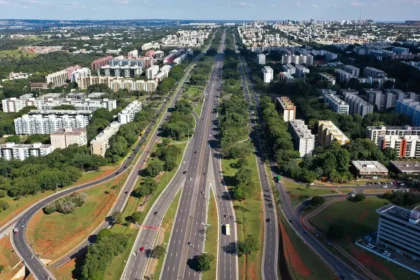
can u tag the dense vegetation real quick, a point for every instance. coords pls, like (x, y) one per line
(181, 122)
(66, 205)
(59, 169)
(100, 254)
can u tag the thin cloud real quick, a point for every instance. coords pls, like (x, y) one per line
(357, 4)
(246, 4)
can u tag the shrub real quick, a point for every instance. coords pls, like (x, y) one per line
(4, 205)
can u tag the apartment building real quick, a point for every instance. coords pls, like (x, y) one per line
(287, 108)
(128, 113)
(376, 132)
(297, 59)
(357, 105)
(261, 58)
(335, 103)
(376, 82)
(289, 69)
(343, 76)
(370, 72)
(301, 71)
(169, 58)
(100, 144)
(376, 97)
(117, 83)
(98, 63)
(400, 50)
(152, 71)
(410, 108)
(79, 73)
(399, 230)
(327, 77)
(407, 146)
(64, 137)
(268, 74)
(303, 139)
(329, 132)
(12, 151)
(47, 122)
(57, 79)
(287, 78)
(133, 54)
(352, 70)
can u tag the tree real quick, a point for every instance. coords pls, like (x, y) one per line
(358, 197)
(247, 246)
(243, 176)
(116, 216)
(1, 268)
(3, 193)
(13, 139)
(158, 252)
(138, 217)
(317, 200)
(242, 162)
(335, 232)
(4, 205)
(204, 261)
(154, 168)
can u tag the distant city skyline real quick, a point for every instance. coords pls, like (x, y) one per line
(380, 10)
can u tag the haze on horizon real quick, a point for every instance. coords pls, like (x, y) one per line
(380, 10)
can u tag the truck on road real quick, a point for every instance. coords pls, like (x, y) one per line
(227, 229)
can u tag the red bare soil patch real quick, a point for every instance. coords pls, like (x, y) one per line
(292, 256)
(369, 261)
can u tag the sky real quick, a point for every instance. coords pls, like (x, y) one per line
(381, 10)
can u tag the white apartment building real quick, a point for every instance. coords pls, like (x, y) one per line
(303, 139)
(261, 58)
(301, 71)
(287, 78)
(12, 151)
(327, 77)
(407, 146)
(62, 138)
(336, 104)
(370, 72)
(329, 132)
(375, 132)
(151, 45)
(133, 54)
(343, 76)
(289, 69)
(352, 70)
(128, 113)
(287, 108)
(80, 73)
(268, 74)
(49, 122)
(298, 59)
(13, 104)
(100, 144)
(358, 106)
(152, 71)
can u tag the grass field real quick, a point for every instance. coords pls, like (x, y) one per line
(211, 244)
(359, 219)
(8, 259)
(166, 227)
(54, 235)
(16, 54)
(301, 260)
(299, 193)
(249, 216)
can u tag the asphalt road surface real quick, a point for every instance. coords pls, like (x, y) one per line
(24, 250)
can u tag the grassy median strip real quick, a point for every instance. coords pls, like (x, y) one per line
(165, 233)
(299, 193)
(249, 216)
(212, 235)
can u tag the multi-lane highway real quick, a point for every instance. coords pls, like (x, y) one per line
(24, 250)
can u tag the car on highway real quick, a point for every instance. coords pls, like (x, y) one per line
(15, 231)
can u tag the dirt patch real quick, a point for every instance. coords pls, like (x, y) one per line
(292, 256)
(370, 262)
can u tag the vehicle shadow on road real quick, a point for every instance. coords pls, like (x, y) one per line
(230, 248)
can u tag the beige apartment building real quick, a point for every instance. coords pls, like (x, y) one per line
(287, 108)
(62, 138)
(100, 144)
(329, 132)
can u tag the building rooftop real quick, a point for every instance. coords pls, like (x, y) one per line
(406, 166)
(12, 145)
(369, 166)
(69, 131)
(301, 129)
(267, 69)
(399, 213)
(285, 102)
(59, 112)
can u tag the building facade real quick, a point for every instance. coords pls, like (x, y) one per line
(303, 139)
(328, 132)
(370, 72)
(407, 146)
(286, 108)
(12, 151)
(327, 77)
(268, 74)
(100, 144)
(261, 58)
(357, 105)
(97, 64)
(376, 132)
(352, 70)
(128, 113)
(62, 138)
(117, 83)
(336, 104)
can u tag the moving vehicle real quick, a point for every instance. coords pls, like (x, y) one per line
(15, 231)
(142, 249)
(227, 229)
(277, 178)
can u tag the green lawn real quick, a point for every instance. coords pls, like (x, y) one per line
(167, 224)
(299, 193)
(116, 268)
(249, 216)
(359, 219)
(211, 244)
